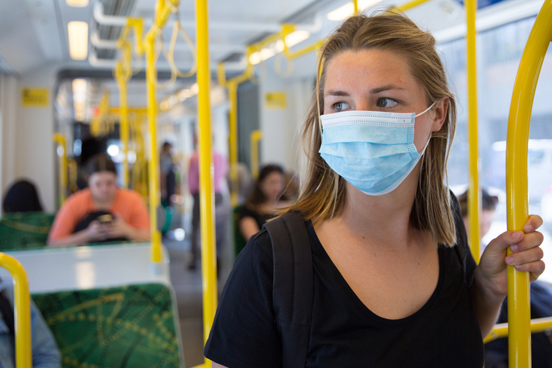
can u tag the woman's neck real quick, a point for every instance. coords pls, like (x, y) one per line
(385, 218)
(105, 204)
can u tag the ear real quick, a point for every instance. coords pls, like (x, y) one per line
(439, 114)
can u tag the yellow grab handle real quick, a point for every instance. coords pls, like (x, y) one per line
(519, 342)
(22, 299)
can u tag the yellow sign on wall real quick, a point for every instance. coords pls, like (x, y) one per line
(276, 100)
(34, 97)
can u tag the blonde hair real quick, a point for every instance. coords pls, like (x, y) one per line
(323, 192)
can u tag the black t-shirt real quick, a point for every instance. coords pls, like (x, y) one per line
(259, 218)
(344, 332)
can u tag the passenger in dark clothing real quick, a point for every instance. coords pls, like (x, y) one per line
(263, 201)
(393, 284)
(21, 197)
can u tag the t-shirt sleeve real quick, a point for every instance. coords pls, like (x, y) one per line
(244, 332)
(244, 211)
(140, 216)
(66, 219)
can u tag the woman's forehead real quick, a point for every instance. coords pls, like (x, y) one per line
(369, 69)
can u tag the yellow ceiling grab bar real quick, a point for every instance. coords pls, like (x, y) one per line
(22, 299)
(519, 342)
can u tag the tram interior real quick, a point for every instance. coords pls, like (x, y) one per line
(77, 95)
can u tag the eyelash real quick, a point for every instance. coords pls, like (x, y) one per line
(334, 106)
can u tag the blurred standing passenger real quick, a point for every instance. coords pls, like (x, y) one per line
(21, 197)
(167, 174)
(391, 281)
(496, 352)
(220, 166)
(101, 212)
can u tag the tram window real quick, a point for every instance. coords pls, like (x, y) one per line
(498, 58)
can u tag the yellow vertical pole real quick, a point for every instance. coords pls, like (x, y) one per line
(355, 6)
(519, 341)
(153, 160)
(233, 96)
(60, 140)
(473, 192)
(256, 136)
(123, 114)
(208, 256)
(124, 130)
(22, 299)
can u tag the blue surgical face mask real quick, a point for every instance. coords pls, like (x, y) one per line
(373, 150)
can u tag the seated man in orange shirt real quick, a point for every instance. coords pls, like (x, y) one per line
(101, 212)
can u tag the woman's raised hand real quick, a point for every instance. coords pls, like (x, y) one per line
(527, 256)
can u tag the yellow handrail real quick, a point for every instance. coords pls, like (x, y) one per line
(22, 301)
(161, 16)
(411, 4)
(501, 329)
(61, 142)
(255, 137)
(122, 75)
(519, 343)
(473, 191)
(208, 256)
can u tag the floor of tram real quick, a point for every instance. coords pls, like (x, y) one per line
(188, 289)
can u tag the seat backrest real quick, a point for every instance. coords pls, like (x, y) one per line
(24, 230)
(129, 326)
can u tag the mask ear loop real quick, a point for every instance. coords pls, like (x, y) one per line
(426, 110)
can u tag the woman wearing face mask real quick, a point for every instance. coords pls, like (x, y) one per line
(389, 288)
(102, 212)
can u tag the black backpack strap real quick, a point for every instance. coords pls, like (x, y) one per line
(293, 286)
(461, 246)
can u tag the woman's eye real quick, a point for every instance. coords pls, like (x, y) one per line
(341, 106)
(386, 102)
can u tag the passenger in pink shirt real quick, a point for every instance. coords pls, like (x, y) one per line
(220, 166)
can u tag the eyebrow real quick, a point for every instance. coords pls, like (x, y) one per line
(373, 91)
(384, 88)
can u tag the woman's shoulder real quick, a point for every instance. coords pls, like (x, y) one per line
(129, 195)
(259, 247)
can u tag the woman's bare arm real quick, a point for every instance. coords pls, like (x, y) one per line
(248, 227)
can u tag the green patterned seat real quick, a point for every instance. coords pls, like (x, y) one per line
(130, 326)
(25, 230)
